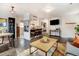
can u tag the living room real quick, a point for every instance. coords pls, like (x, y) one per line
(39, 22)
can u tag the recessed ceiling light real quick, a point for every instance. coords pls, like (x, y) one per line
(48, 9)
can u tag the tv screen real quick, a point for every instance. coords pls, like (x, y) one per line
(54, 22)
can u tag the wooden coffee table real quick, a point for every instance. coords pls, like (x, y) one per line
(45, 47)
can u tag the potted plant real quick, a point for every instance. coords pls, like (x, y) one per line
(77, 29)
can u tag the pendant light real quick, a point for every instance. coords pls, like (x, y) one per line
(12, 10)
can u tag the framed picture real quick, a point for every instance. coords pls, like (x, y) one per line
(3, 23)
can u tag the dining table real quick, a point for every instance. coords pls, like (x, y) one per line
(3, 35)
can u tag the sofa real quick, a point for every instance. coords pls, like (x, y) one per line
(6, 51)
(4, 47)
(72, 50)
(76, 41)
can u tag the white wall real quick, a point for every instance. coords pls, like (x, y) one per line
(47, 24)
(18, 18)
(35, 21)
(54, 27)
(68, 29)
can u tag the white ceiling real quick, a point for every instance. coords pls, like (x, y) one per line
(59, 9)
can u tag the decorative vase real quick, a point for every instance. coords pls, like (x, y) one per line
(45, 39)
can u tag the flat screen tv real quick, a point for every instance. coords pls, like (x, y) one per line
(54, 22)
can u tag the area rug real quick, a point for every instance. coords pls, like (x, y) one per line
(61, 50)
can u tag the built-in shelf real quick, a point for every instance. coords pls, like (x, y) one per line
(71, 23)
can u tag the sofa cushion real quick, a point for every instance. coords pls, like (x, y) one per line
(3, 47)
